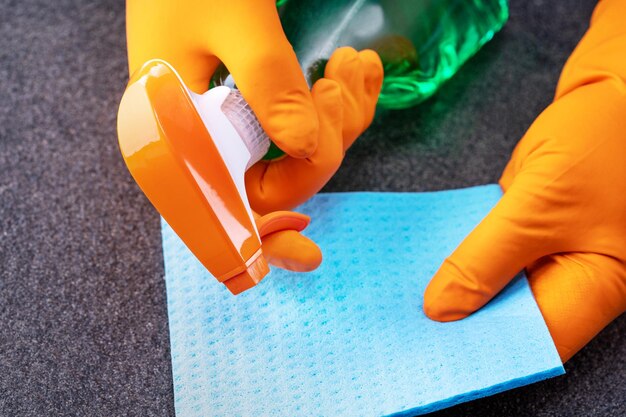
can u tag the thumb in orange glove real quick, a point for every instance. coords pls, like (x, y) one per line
(563, 214)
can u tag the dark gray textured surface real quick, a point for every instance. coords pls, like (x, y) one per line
(83, 320)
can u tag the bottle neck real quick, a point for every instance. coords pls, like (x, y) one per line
(247, 126)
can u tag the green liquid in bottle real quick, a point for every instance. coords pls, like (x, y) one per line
(422, 43)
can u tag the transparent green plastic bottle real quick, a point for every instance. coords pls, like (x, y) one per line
(422, 43)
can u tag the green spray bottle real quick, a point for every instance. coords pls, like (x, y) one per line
(422, 43)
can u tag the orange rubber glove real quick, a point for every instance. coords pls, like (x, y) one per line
(345, 100)
(195, 35)
(287, 182)
(563, 214)
(313, 128)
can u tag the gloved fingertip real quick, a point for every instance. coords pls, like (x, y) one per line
(450, 297)
(345, 54)
(327, 87)
(342, 63)
(373, 69)
(439, 309)
(292, 251)
(372, 60)
(294, 128)
(310, 257)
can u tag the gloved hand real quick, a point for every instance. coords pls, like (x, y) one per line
(287, 182)
(345, 100)
(313, 128)
(195, 35)
(563, 214)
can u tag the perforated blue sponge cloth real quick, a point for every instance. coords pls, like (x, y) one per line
(350, 339)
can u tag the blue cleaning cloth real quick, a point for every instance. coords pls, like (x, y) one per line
(351, 339)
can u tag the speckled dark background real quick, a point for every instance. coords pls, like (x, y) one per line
(83, 320)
